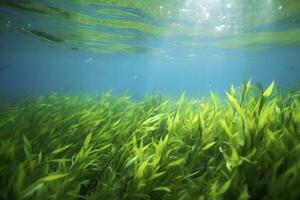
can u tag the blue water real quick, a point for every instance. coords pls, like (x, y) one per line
(33, 66)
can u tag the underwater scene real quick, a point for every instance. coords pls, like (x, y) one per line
(150, 99)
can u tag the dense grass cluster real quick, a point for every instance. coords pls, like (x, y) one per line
(81, 147)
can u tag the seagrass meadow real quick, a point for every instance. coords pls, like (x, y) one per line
(241, 146)
(149, 100)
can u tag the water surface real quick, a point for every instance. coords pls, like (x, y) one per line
(146, 47)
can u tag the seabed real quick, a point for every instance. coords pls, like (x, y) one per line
(242, 146)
